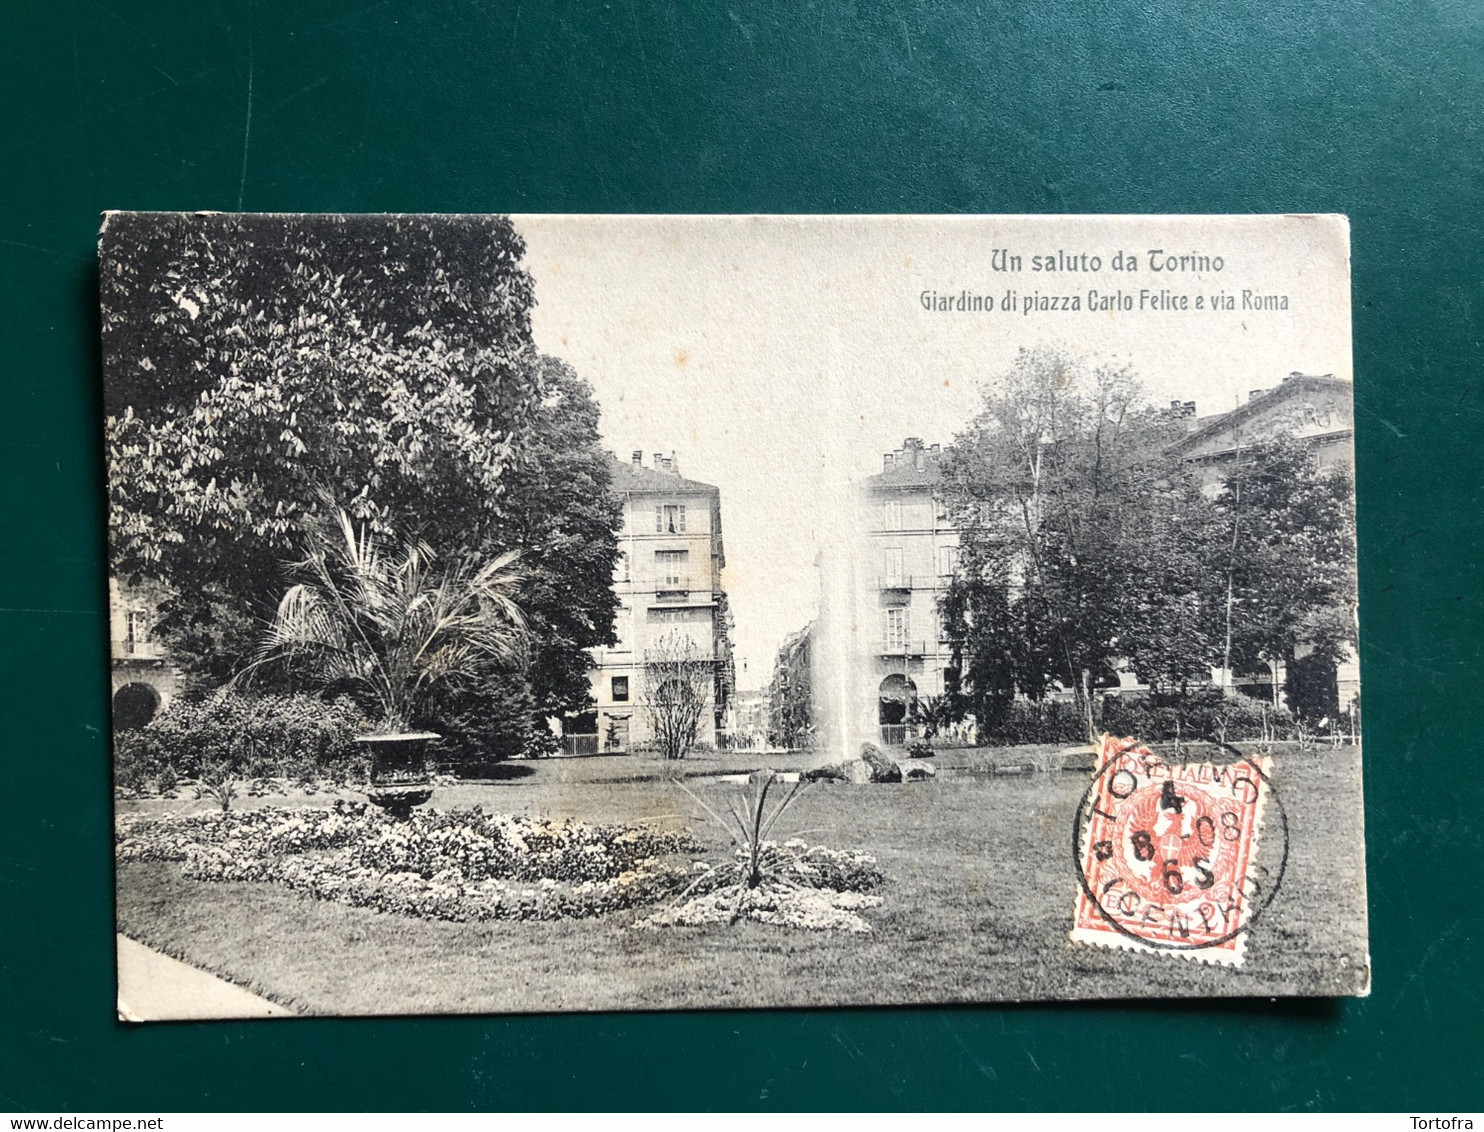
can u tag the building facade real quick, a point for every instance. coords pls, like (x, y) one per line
(668, 580)
(1318, 410)
(913, 553)
(144, 680)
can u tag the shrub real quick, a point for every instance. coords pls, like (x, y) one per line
(1205, 712)
(133, 774)
(487, 721)
(167, 782)
(1050, 721)
(298, 737)
(1198, 712)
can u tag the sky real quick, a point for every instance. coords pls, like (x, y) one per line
(780, 357)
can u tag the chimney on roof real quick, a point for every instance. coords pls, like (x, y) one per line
(887, 461)
(936, 448)
(1254, 394)
(1184, 412)
(638, 458)
(1293, 375)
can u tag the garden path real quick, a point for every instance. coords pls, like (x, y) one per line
(155, 988)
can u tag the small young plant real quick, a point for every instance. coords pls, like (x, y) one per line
(216, 782)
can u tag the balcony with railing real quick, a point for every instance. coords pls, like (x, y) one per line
(673, 589)
(698, 654)
(691, 591)
(890, 582)
(894, 647)
(137, 648)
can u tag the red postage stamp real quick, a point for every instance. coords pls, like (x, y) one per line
(1166, 853)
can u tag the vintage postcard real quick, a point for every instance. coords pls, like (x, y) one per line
(564, 613)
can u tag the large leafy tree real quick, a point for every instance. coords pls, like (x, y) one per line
(1289, 565)
(1082, 540)
(1171, 616)
(561, 514)
(254, 365)
(175, 286)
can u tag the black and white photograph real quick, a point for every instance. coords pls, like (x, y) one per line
(555, 613)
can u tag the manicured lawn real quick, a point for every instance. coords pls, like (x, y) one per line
(977, 905)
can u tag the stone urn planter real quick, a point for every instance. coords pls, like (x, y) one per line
(401, 776)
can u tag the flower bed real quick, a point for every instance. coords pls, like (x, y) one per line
(469, 865)
(801, 886)
(463, 865)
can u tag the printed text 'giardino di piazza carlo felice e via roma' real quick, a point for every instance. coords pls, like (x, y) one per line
(1158, 281)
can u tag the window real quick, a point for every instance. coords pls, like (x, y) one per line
(670, 519)
(891, 518)
(948, 560)
(670, 567)
(620, 689)
(136, 629)
(892, 564)
(896, 629)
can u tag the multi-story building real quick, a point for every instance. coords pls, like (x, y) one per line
(913, 551)
(669, 585)
(749, 718)
(144, 680)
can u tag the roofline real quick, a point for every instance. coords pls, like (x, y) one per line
(1242, 412)
(871, 484)
(681, 486)
(1215, 454)
(695, 488)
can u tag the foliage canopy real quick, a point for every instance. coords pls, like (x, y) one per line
(257, 365)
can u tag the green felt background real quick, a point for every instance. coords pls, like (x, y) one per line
(433, 105)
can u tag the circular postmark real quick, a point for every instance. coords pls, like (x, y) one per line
(1167, 853)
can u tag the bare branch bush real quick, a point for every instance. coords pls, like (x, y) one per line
(677, 689)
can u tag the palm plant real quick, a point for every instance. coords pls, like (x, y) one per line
(392, 627)
(749, 822)
(216, 782)
(933, 714)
